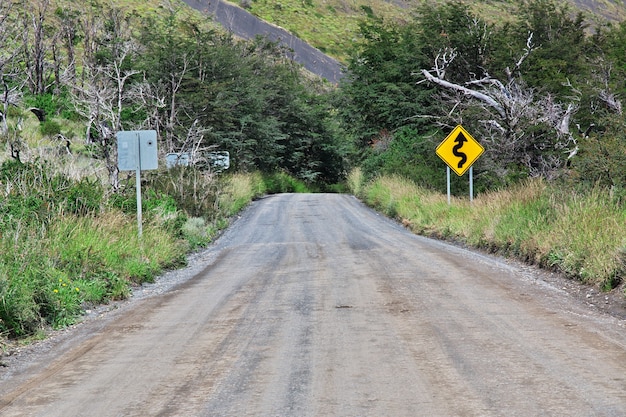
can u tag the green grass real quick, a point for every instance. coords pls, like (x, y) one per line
(65, 246)
(48, 274)
(330, 26)
(240, 189)
(579, 234)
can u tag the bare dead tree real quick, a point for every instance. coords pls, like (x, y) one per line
(101, 101)
(529, 47)
(161, 102)
(194, 144)
(152, 99)
(11, 75)
(92, 25)
(34, 15)
(175, 81)
(507, 110)
(606, 95)
(103, 91)
(68, 22)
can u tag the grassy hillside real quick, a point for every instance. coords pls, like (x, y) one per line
(332, 25)
(603, 9)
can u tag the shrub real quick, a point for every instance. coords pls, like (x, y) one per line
(195, 232)
(124, 200)
(84, 197)
(281, 182)
(188, 188)
(50, 128)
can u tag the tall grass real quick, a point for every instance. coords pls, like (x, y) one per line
(238, 190)
(581, 234)
(66, 244)
(50, 273)
(241, 188)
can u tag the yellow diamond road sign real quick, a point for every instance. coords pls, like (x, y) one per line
(459, 150)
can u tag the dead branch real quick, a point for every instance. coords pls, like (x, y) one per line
(529, 48)
(467, 91)
(443, 61)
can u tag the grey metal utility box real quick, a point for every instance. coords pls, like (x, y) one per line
(137, 149)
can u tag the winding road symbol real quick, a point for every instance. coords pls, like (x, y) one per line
(459, 150)
(456, 150)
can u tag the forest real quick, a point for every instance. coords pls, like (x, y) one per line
(540, 90)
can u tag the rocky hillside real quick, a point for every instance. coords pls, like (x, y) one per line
(614, 11)
(245, 25)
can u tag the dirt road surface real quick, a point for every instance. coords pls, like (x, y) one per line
(313, 305)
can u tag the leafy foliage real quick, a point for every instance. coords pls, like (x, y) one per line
(68, 241)
(538, 96)
(244, 97)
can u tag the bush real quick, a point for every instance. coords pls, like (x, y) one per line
(84, 197)
(52, 104)
(283, 183)
(50, 128)
(195, 232)
(188, 188)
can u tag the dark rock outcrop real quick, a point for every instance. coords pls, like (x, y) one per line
(247, 26)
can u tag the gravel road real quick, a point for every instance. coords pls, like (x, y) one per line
(314, 305)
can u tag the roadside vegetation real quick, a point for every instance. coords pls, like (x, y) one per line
(580, 234)
(551, 182)
(540, 90)
(66, 246)
(76, 74)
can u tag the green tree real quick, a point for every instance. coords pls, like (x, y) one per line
(559, 55)
(244, 97)
(453, 27)
(380, 90)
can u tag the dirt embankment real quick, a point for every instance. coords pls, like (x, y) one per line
(247, 26)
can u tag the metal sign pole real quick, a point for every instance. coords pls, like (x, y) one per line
(137, 150)
(448, 183)
(471, 183)
(138, 187)
(459, 150)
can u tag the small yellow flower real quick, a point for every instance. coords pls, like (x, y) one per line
(77, 289)
(64, 284)
(55, 290)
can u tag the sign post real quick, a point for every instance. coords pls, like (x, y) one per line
(459, 150)
(137, 150)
